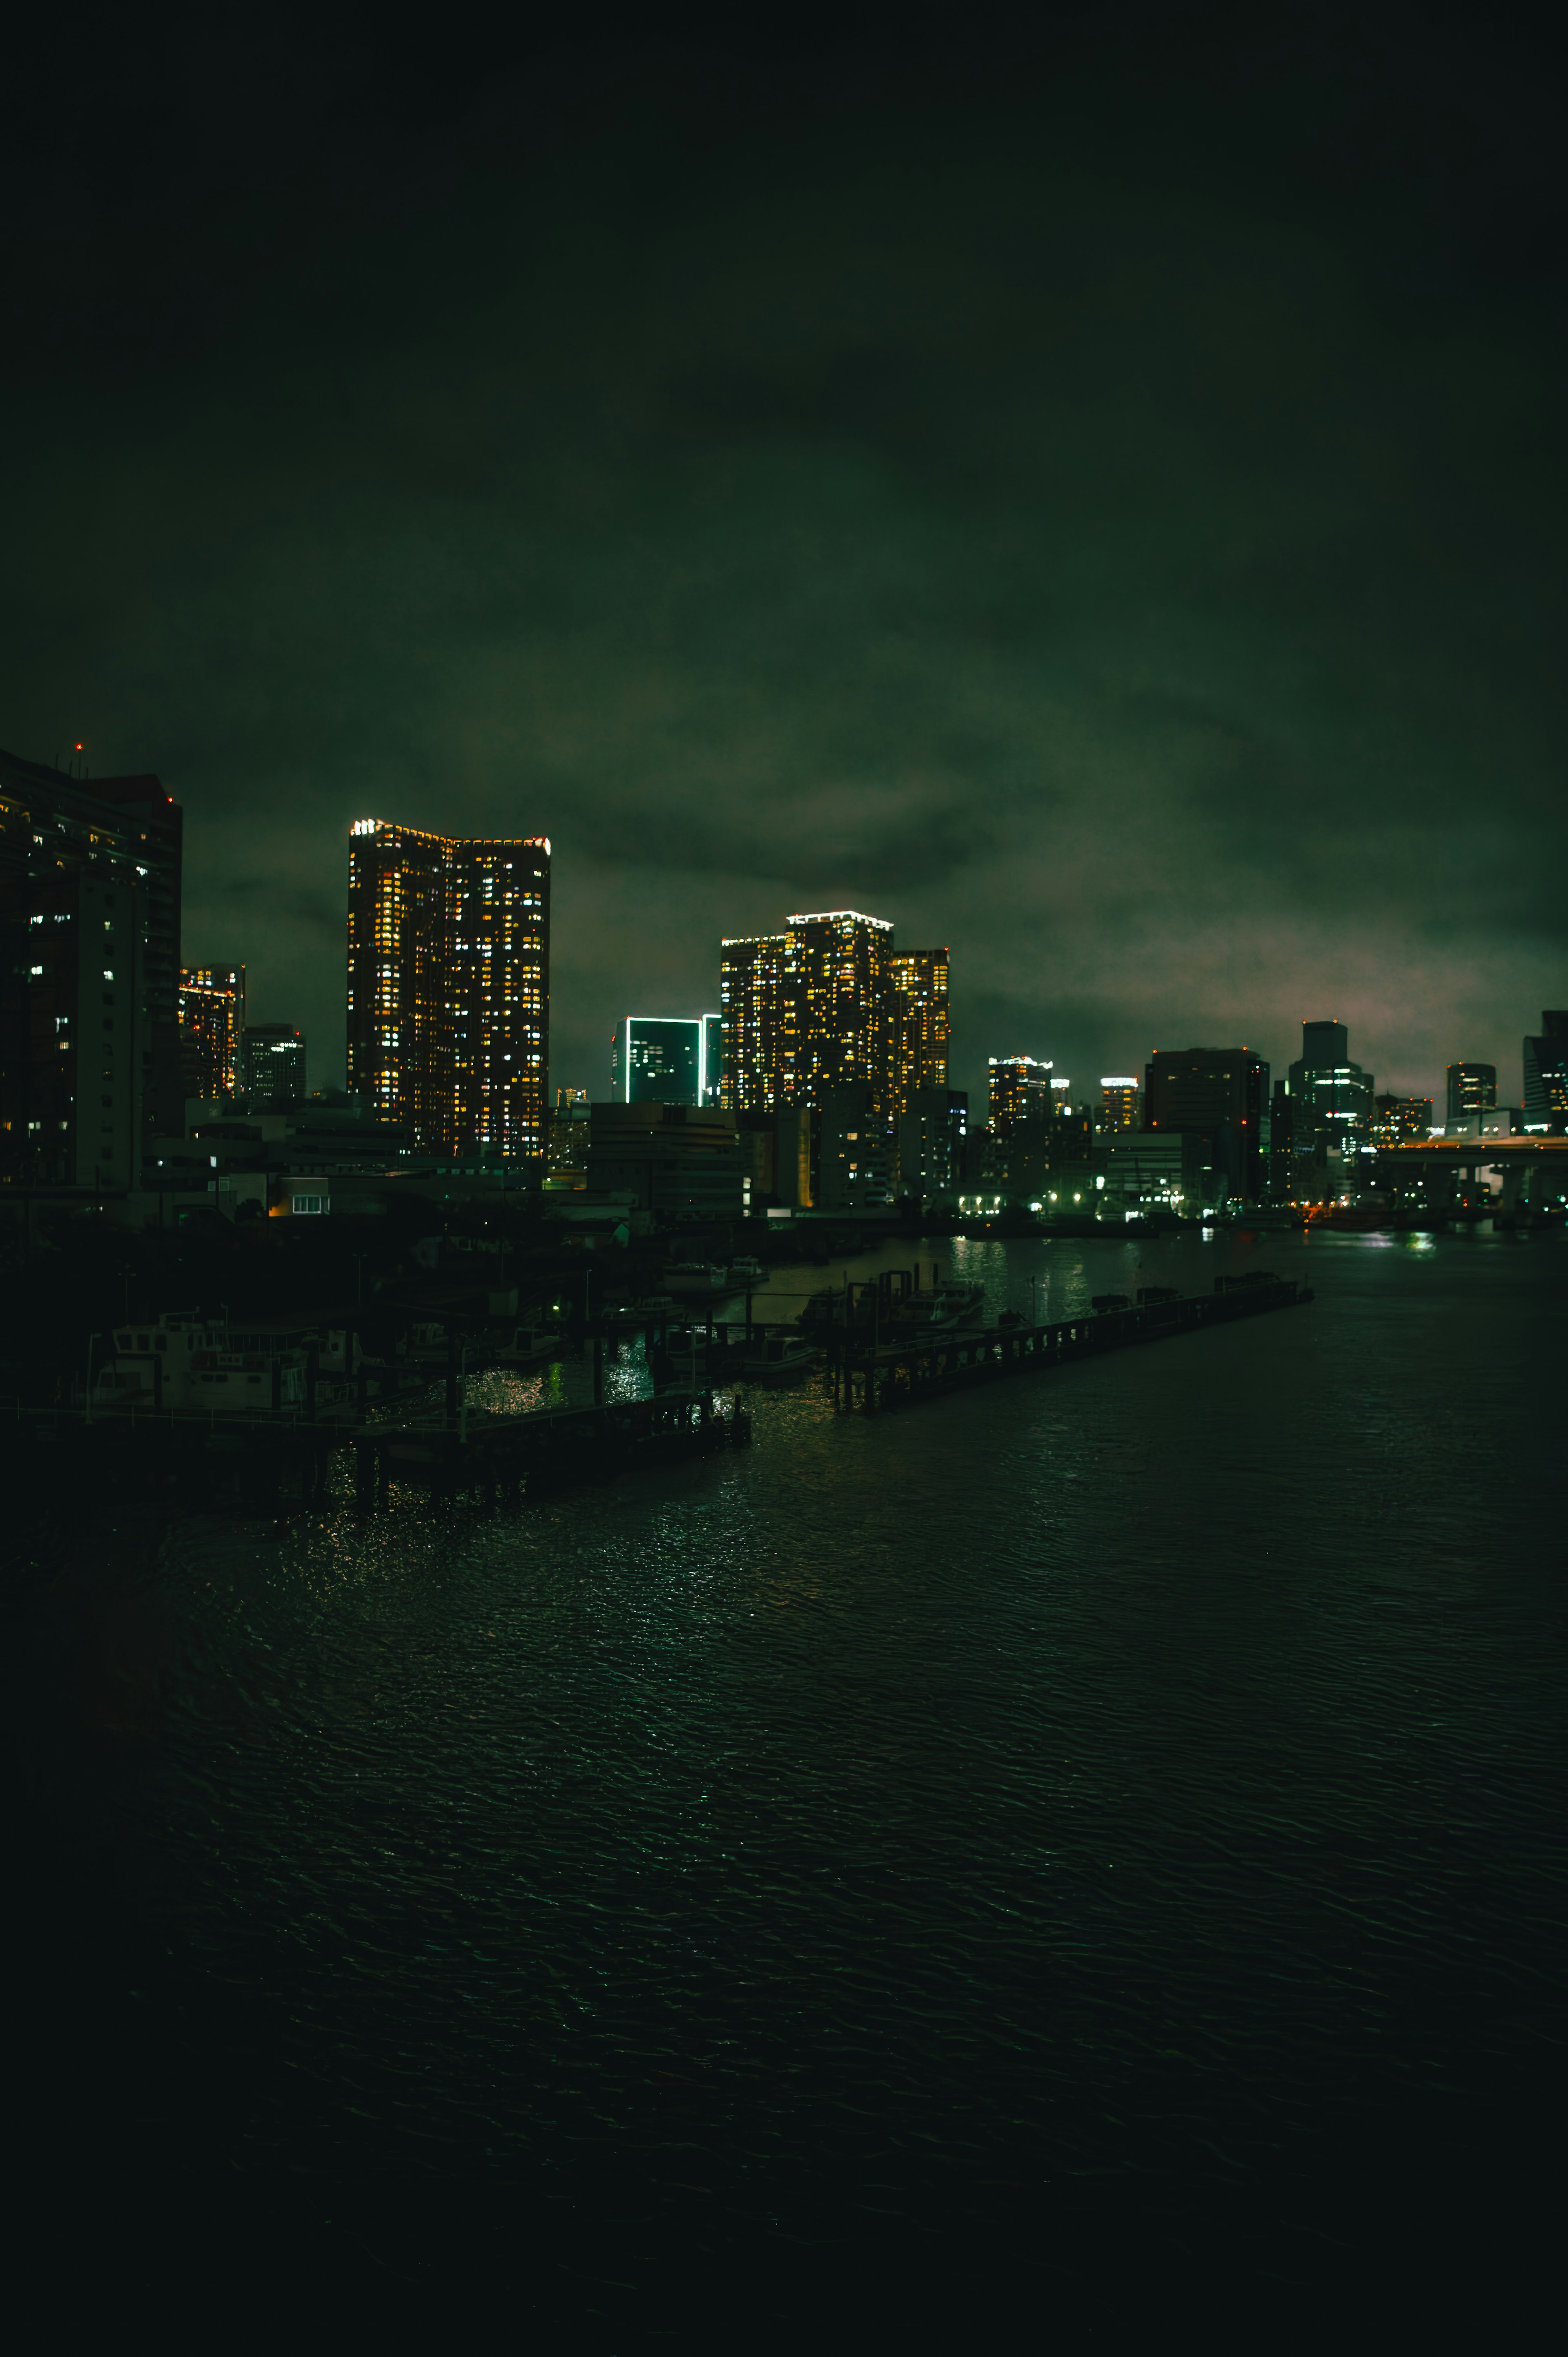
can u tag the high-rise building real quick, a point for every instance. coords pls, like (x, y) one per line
(89, 885)
(933, 1138)
(1331, 1113)
(1546, 1075)
(921, 1029)
(1019, 1091)
(808, 1011)
(682, 1163)
(1120, 1102)
(1219, 1094)
(211, 1022)
(1472, 1088)
(449, 985)
(1399, 1120)
(657, 1060)
(272, 1068)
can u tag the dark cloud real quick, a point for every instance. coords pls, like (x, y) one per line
(1093, 498)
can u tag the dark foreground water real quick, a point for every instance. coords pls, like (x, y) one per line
(1090, 1848)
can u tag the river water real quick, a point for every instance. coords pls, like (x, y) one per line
(1053, 1845)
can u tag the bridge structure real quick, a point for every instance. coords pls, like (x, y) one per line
(1450, 1178)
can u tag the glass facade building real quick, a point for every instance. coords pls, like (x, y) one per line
(1472, 1088)
(1218, 1094)
(273, 1063)
(1546, 1075)
(1332, 1112)
(449, 985)
(657, 1059)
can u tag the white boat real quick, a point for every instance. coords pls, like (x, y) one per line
(941, 1304)
(747, 1272)
(528, 1346)
(696, 1277)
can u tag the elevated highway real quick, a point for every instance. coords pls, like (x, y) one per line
(1450, 1177)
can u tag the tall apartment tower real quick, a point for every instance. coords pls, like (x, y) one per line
(921, 1029)
(1472, 1088)
(1019, 1094)
(211, 1026)
(808, 1011)
(449, 985)
(272, 1063)
(89, 890)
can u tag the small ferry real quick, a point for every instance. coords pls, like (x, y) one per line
(780, 1359)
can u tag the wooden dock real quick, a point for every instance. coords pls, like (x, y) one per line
(871, 1374)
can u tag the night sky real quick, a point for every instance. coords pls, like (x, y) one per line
(1089, 489)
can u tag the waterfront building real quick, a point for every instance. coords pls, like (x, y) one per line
(1396, 1120)
(1546, 1104)
(212, 1028)
(449, 985)
(1219, 1094)
(89, 1050)
(681, 1164)
(272, 1068)
(1472, 1088)
(1121, 1103)
(1147, 1171)
(1331, 1112)
(921, 1025)
(1018, 1091)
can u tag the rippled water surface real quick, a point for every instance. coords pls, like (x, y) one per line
(1111, 1823)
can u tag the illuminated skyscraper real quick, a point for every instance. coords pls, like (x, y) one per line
(211, 1023)
(920, 1026)
(1331, 1113)
(1020, 1092)
(1472, 1088)
(808, 1011)
(449, 985)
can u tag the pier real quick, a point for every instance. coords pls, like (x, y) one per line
(872, 1372)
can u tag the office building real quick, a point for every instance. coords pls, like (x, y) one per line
(1121, 1103)
(1545, 1107)
(1146, 1172)
(657, 1059)
(1019, 1091)
(273, 1063)
(933, 1143)
(211, 1026)
(921, 1028)
(1472, 1088)
(449, 985)
(854, 1157)
(1220, 1095)
(89, 885)
(1332, 1111)
(1396, 1121)
(682, 1165)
